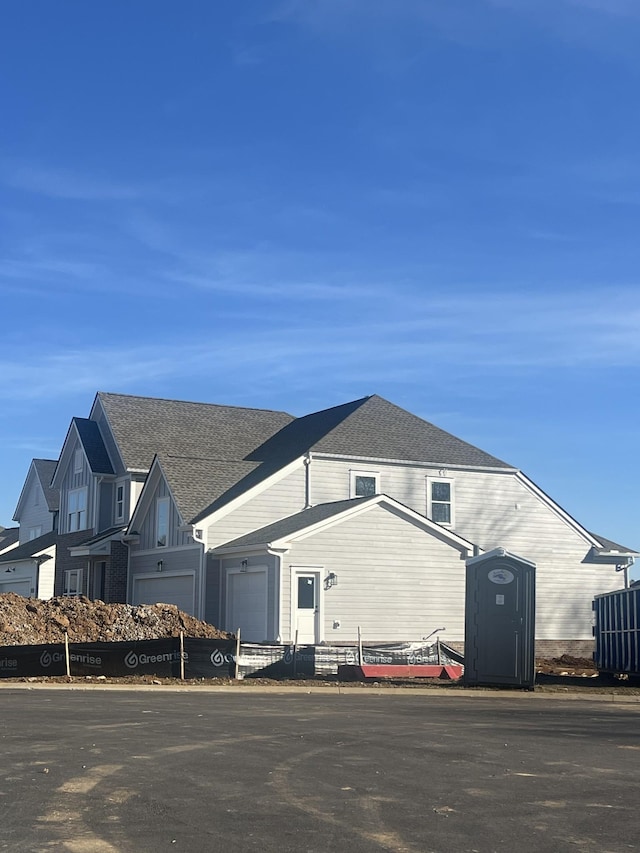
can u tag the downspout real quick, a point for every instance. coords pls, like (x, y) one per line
(307, 480)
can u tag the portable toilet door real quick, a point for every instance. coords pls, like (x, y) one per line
(499, 642)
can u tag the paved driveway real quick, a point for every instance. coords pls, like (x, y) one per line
(360, 772)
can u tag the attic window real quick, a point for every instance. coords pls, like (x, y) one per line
(364, 484)
(162, 522)
(77, 461)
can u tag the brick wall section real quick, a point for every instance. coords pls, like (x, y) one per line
(65, 561)
(115, 582)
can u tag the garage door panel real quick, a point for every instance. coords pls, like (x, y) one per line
(247, 605)
(176, 589)
(19, 587)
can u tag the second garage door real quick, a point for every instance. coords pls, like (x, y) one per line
(247, 605)
(169, 589)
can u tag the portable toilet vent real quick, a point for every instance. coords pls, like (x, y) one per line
(499, 634)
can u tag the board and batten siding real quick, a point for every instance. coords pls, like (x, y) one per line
(35, 512)
(283, 498)
(395, 581)
(76, 480)
(497, 510)
(148, 529)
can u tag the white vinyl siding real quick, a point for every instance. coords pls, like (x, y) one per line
(394, 580)
(496, 509)
(34, 512)
(283, 498)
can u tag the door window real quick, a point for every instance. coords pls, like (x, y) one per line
(306, 593)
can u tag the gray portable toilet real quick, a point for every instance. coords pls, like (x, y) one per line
(499, 630)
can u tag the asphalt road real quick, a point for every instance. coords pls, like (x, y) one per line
(361, 772)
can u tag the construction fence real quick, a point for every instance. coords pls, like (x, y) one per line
(191, 658)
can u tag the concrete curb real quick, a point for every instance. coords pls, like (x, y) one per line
(337, 690)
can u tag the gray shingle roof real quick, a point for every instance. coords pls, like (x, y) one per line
(608, 545)
(8, 535)
(370, 427)
(379, 429)
(146, 426)
(28, 549)
(94, 446)
(196, 482)
(293, 523)
(45, 469)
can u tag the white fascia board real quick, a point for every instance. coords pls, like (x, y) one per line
(499, 552)
(242, 499)
(557, 509)
(410, 463)
(377, 500)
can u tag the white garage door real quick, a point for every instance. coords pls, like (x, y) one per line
(19, 587)
(247, 605)
(169, 589)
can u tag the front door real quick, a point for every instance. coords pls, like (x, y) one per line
(306, 607)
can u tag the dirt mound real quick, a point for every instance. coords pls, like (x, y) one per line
(566, 665)
(31, 621)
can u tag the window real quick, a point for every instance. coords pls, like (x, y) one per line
(162, 522)
(72, 582)
(77, 511)
(34, 532)
(120, 502)
(77, 461)
(364, 484)
(440, 501)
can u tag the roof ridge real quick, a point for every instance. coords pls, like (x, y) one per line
(102, 394)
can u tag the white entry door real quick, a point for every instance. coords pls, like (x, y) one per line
(306, 599)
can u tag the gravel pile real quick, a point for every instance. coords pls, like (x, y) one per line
(31, 621)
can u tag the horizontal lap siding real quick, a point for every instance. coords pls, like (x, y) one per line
(35, 512)
(394, 581)
(280, 500)
(497, 510)
(500, 511)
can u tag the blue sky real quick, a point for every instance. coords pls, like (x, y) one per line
(294, 203)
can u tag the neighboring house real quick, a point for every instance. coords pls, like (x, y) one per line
(9, 538)
(104, 464)
(29, 568)
(37, 509)
(355, 517)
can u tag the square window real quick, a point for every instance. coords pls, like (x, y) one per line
(364, 484)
